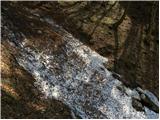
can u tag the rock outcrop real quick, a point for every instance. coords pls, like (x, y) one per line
(66, 70)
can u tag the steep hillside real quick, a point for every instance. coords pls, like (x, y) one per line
(48, 73)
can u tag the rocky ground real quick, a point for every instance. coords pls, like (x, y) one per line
(47, 73)
(131, 47)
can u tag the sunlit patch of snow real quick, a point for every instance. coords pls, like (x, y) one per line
(37, 74)
(55, 92)
(152, 97)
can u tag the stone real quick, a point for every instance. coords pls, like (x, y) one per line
(39, 32)
(137, 104)
(152, 97)
(149, 100)
(136, 95)
(116, 76)
(149, 103)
